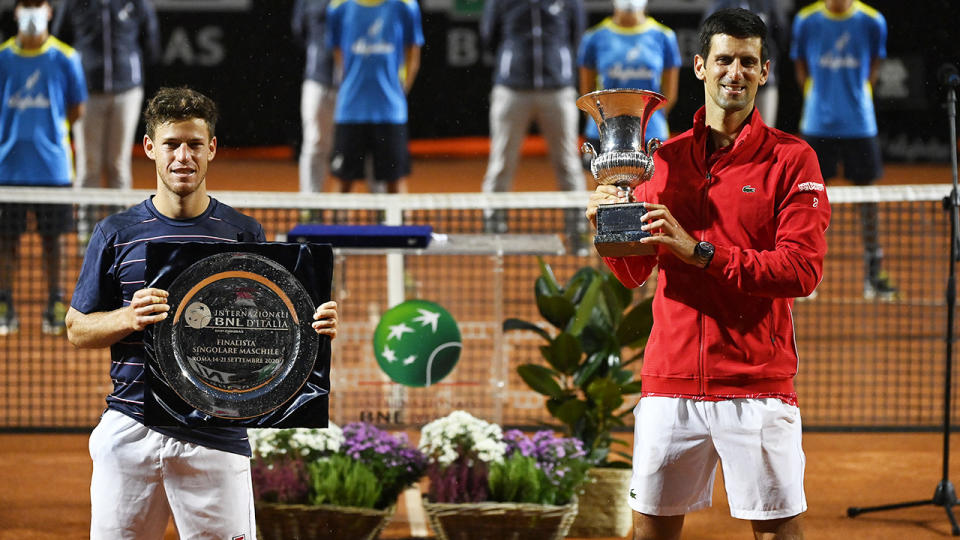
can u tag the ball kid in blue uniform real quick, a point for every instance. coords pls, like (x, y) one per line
(837, 47)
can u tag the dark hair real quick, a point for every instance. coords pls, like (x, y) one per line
(31, 3)
(178, 104)
(736, 22)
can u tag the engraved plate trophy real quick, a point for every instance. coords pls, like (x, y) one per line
(624, 160)
(236, 344)
(238, 348)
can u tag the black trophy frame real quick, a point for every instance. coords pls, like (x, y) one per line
(311, 265)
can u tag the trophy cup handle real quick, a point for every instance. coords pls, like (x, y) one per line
(653, 145)
(587, 148)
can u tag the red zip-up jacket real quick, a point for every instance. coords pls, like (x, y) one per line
(727, 331)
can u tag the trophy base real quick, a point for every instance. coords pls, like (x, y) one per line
(622, 244)
(618, 233)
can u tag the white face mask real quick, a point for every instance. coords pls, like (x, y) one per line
(630, 5)
(33, 21)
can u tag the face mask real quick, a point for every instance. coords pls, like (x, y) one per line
(32, 21)
(630, 5)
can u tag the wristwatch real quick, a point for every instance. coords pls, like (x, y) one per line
(704, 251)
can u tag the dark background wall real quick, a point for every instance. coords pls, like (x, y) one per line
(242, 54)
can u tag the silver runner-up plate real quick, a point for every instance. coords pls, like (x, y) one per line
(238, 341)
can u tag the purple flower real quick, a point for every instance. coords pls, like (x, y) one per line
(517, 442)
(555, 456)
(390, 457)
(283, 477)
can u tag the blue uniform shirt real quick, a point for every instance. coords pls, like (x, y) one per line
(838, 50)
(113, 269)
(630, 58)
(372, 36)
(37, 88)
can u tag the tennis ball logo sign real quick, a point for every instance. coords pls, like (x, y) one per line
(417, 343)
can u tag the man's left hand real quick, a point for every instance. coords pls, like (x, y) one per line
(667, 232)
(325, 319)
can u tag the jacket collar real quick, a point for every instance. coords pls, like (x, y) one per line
(750, 135)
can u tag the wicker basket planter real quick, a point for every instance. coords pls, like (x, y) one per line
(321, 522)
(500, 521)
(604, 511)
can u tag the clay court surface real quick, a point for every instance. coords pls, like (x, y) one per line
(44, 478)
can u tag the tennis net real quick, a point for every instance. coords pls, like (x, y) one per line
(869, 362)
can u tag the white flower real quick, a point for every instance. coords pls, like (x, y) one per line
(311, 443)
(443, 439)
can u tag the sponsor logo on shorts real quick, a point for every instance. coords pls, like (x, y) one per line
(239, 537)
(633, 494)
(749, 189)
(811, 186)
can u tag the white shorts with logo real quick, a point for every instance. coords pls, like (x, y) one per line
(140, 477)
(677, 443)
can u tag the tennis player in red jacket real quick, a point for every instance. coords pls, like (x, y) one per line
(738, 214)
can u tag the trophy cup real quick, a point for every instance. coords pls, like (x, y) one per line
(622, 116)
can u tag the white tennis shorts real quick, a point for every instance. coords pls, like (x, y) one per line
(677, 443)
(141, 476)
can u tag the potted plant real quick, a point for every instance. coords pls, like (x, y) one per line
(487, 485)
(329, 483)
(561, 466)
(585, 377)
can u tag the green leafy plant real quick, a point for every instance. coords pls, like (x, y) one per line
(516, 479)
(540, 469)
(585, 379)
(343, 481)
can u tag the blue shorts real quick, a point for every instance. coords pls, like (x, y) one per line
(385, 143)
(862, 162)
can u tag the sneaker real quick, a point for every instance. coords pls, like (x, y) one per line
(53, 316)
(9, 324)
(880, 287)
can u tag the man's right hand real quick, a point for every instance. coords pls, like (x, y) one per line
(104, 328)
(148, 306)
(604, 194)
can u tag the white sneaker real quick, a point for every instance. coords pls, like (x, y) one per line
(880, 287)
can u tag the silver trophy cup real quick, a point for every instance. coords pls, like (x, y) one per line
(624, 161)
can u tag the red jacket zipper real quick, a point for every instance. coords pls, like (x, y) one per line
(703, 325)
